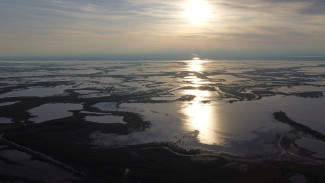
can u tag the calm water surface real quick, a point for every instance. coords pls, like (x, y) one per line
(196, 103)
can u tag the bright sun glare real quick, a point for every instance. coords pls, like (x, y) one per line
(197, 11)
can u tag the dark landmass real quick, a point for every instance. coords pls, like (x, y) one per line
(187, 98)
(311, 94)
(67, 141)
(237, 92)
(282, 117)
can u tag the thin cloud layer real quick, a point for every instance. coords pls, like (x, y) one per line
(68, 27)
(312, 7)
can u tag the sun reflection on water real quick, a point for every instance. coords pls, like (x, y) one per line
(195, 66)
(200, 113)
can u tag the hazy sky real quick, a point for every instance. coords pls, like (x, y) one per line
(118, 27)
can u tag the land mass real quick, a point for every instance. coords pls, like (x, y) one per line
(282, 117)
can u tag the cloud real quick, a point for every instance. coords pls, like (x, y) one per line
(102, 26)
(316, 7)
(312, 7)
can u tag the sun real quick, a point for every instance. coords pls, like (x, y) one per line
(197, 11)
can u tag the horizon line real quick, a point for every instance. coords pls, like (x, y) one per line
(156, 57)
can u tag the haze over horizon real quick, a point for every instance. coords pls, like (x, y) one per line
(153, 29)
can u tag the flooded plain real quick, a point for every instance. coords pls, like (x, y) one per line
(51, 111)
(218, 105)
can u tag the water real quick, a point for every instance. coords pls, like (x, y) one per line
(52, 111)
(35, 92)
(298, 178)
(221, 126)
(106, 106)
(24, 165)
(106, 119)
(8, 103)
(197, 103)
(316, 146)
(5, 120)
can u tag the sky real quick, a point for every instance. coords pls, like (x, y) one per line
(236, 28)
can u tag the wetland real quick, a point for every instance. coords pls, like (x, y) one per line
(162, 121)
